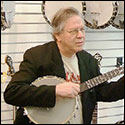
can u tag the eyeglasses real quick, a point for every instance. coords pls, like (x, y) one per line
(76, 31)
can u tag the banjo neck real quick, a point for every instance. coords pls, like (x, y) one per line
(101, 79)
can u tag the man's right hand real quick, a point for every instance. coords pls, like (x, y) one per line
(67, 89)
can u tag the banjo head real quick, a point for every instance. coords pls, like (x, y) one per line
(119, 20)
(49, 8)
(7, 14)
(99, 14)
(55, 115)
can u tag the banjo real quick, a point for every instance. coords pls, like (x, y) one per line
(7, 14)
(99, 14)
(49, 8)
(58, 115)
(119, 20)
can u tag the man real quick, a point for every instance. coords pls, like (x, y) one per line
(63, 58)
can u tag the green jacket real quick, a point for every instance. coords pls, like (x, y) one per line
(46, 60)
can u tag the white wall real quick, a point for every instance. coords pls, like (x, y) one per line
(30, 29)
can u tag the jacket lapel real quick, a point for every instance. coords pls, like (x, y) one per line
(58, 66)
(82, 68)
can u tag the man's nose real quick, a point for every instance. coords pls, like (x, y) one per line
(80, 33)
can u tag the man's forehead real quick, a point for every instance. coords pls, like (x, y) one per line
(74, 22)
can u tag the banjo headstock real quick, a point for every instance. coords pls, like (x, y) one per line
(99, 58)
(10, 72)
(9, 62)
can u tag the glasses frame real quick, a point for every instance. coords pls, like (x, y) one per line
(75, 31)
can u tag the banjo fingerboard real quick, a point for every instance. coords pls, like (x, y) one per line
(101, 79)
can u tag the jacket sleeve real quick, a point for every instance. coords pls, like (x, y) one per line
(107, 92)
(19, 92)
(112, 91)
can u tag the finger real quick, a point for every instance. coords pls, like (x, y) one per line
(76, 87)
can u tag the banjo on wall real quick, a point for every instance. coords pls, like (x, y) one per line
(99, 14)
(7, 14)
(49, 8)
(119, 20)
(96, 14)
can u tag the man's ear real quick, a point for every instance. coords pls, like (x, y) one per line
(57, 36)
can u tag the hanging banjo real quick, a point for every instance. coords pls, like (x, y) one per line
(57, 114)
(7, 14)
(119, 20)
(99, 14)
(49, 8)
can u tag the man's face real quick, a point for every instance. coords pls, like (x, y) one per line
(72, 37)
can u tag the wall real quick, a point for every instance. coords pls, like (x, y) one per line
(30, 29)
